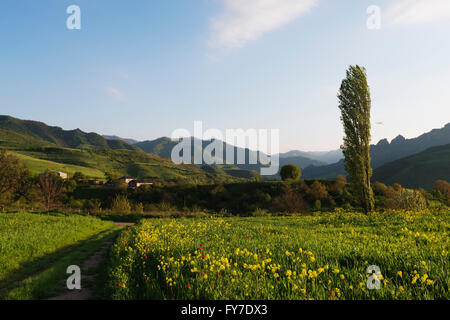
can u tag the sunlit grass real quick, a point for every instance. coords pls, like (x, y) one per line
(311, 257)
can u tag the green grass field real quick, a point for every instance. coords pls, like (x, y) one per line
(38, 166)
(31, 243)
(309, 257)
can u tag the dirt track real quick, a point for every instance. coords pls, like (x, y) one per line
(85, 293)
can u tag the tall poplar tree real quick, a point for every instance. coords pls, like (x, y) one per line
(355, 105)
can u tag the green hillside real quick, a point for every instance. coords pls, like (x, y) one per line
(41, 147)
(419, 170)
(57, 136)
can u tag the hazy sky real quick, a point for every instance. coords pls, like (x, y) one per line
(143, 68)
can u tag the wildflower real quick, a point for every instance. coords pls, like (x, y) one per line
(400, 274)
(342, 277)
(188, 286)
(336, 271)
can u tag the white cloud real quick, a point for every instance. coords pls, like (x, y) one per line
(247, 20)
(115, 93)
(406, 12)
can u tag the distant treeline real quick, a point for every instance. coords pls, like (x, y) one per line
(19, 189)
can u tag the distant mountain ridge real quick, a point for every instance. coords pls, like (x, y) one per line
(419, 170)
(163, 148)
(384, 152)
(76, 139)
(327, 157)
(129, 141)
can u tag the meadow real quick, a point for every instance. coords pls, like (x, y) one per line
(324, 256)
(31, 243)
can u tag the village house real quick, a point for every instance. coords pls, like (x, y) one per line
(62, 175)
(134, 184)
(125, 180)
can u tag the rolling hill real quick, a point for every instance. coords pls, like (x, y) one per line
(42, 147)
(76, 139)
(419, 170)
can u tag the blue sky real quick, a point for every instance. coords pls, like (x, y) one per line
(143, 68)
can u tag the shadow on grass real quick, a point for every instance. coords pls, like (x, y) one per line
(76, 253)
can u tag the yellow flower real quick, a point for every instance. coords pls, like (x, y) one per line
(342, 277)
(400, 274)
(289, 273)
(312, 259)
(424, 278)
(336, 271)
(205, 276)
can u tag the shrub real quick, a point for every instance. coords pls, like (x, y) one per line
(290, 201)
(443, 187)
(260, 213)
(290, 172)
(317, 191)
(406, 199)
(121, 204)
(138, 207)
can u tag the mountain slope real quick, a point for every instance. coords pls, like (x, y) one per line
(385, 152)
(129, 141)
(68, 139)
(163, 148)
(327, 157)
(419, 170)
(42, 147)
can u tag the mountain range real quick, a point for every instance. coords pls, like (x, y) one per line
(411, 162)
(384, 152)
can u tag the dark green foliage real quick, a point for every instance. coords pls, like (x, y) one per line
(355, 106)
(290, 172)
(419, 170)
(385, 153)
(63, 138)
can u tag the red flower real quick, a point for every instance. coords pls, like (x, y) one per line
(203, 257)
(332, 293)
(262, 257)
(200, 248)
(119, 284)
(148, 278)
(188, 286)
(201, 244)
(220, 273)
(202, 272)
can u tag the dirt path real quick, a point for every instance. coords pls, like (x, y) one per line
(93, 262)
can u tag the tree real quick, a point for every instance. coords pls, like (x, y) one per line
(11, 172)
(51, 186)
(112, 177)
(443, 187)
(355, 106)
(290, 172)
(78, 176)
(317, 191)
